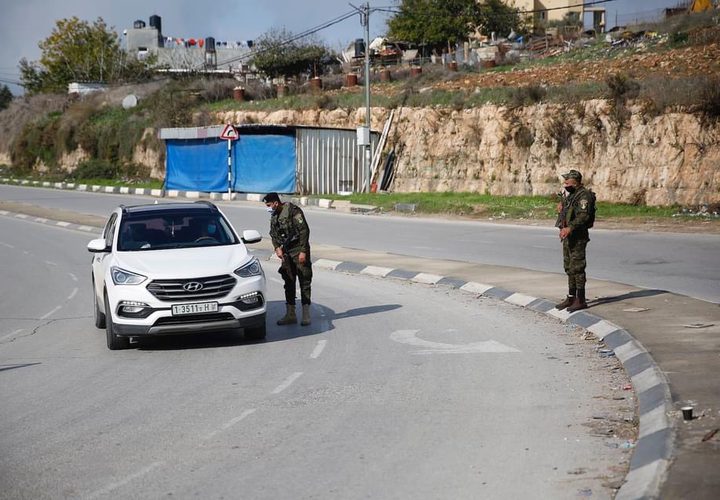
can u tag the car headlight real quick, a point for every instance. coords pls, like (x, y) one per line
(123, 277)
(252, 268)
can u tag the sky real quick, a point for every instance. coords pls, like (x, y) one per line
(25, 23)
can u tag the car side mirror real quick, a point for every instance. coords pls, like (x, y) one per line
(98, 246)
(251, 236)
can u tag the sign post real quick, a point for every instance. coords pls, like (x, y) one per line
(230, 134)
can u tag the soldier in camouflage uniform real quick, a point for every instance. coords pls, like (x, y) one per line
(290, 236)
(573, 220)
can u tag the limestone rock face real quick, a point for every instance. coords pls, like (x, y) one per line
(625, 155)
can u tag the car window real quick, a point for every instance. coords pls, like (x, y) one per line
(110, 231)
(158, 231)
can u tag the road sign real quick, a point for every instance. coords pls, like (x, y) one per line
(229, 133)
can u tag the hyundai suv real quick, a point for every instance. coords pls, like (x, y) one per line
(173, 268)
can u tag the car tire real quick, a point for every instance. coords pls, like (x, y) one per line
(99, 316)
(256, 332)
(114, 341)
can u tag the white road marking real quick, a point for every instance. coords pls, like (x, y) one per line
(49, 263)
(541, 247)
(410, 337)
(51, 312)
(113, 486)
(6, 245)
(287, 383)
(11, 335)
(231, 422)
(318, 349)
(74, 292)
(72, 276)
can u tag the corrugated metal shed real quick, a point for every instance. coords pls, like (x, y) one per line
(330, 161)
(327, 160)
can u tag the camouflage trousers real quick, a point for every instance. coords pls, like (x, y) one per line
(574, 261)
(290, 269)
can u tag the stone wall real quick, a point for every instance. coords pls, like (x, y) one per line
(626, 155)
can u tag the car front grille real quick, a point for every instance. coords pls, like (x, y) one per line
(194, 318)
(213, 287)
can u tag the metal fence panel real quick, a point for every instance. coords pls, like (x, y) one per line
(330, 161)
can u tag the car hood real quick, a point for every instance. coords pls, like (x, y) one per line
(185, 262)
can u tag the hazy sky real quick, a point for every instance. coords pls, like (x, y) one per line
(24, 23)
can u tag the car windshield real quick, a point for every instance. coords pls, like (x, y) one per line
(153, 231)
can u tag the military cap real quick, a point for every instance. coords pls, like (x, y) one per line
(270, 197)
(573, 174)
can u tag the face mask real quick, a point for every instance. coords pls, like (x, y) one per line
(270, 209)
(570, 189)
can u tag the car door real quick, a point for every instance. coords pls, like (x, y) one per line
(101, 260)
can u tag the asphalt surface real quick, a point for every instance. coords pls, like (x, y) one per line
(667, 342)
(397, 390)
(686, 264)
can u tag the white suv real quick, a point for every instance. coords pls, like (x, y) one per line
(172, 268)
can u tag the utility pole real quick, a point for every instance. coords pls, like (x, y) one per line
(364, 12)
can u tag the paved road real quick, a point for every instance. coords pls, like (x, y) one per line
(681, 263)
(383, 397)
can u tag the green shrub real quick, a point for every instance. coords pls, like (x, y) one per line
(94, 169)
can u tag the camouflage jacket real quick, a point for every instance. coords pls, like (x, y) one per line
(290, 230)
(575, 213)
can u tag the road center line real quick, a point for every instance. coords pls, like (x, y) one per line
(75, 291)
(50, 263)
(231, 422)
(72, 276)
(318, 349)
(11, 335)
(6, 245)
(51, 312)
(287, 383)
(113, 486)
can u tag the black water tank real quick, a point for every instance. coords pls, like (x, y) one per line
(138, 25)
(359, 47)
(156, 22)
(209, 44)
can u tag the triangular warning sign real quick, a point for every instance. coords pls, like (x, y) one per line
(229, 133)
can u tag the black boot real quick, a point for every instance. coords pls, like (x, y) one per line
(579, 302)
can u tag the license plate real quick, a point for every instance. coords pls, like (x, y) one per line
(197, 308)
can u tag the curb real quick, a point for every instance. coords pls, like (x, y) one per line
(654, 448)
(169, 193)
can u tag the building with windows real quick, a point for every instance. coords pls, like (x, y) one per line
(542, 12)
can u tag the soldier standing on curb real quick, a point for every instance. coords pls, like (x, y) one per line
(290, 236)
(576, 214)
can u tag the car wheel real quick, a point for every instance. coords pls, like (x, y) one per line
(99, 316)
(256, 332)
(114, 341)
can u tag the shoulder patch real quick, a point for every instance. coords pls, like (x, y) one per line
(299, 218)
(583, 204)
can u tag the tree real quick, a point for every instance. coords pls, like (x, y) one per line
(78, 51)
(277, 55)
(438, 22)
(5, 97)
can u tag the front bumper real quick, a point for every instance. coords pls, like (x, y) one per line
(196, 324)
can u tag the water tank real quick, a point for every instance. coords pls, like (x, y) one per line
(156, 22)
(209, 44)
(359, 47)
(139, 24)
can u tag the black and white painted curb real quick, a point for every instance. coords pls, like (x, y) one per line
(653, 450)
(162, 193)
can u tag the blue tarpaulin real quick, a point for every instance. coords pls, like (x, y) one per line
(264, 163)
(261, 163)
(197, 165)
